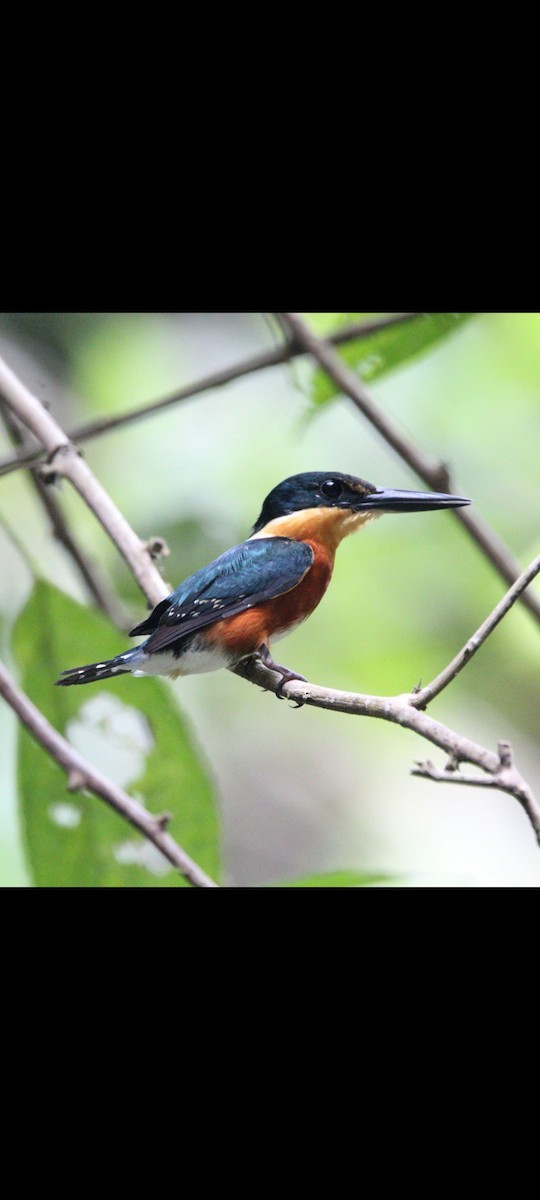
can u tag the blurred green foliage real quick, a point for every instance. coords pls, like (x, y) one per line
(302, 793)
(383, 351)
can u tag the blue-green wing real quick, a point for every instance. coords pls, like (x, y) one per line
(248, 574)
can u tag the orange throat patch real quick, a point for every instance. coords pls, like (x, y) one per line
(324, 525)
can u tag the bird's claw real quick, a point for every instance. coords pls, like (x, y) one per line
(286, 677)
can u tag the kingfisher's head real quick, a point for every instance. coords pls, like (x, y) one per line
(339, 503)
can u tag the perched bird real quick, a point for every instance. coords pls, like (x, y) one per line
(261, 589)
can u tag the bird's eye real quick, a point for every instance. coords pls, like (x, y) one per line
(332, 489)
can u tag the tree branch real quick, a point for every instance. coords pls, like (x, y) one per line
(506, 779)
(402, 710)
(65, 460)
(346, 380)
(427, 693)
(81, 774)
(258, 362)
(104, 596)
(435, 474)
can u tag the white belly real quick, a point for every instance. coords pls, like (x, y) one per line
(191, 662)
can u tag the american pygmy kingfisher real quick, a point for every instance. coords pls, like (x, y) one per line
(263, 588)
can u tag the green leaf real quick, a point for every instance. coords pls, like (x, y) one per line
(338, 879)
(128, 728)
(372, 356)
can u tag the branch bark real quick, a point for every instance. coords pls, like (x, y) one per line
(435, 474)
(505, 779)
(81, 774)
(65, 460)
(103, 595)
(258, 362)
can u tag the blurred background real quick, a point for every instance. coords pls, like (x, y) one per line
(303, 791)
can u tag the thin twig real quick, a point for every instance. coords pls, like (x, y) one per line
(65, 460)
(81, 774)
(104, 596)
(435, 474)
(401, 710)
(505, 779)
(426, 694)
(258, 362)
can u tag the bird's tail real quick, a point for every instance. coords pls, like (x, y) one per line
(93, 672)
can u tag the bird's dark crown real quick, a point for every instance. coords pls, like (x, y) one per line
(313, 489)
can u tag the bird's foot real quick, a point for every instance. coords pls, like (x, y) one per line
(286, 674)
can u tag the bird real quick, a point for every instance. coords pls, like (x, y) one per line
(263, 588)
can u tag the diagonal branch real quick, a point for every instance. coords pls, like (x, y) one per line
(424, 695)
(435, 474)
(104, 596)
(64, 459)
(258, 362)
(81, 774)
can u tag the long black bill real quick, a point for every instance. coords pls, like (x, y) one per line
(392, 500)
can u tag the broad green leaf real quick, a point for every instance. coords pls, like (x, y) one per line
(338, 879)
(372, 356)
(128, 728)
